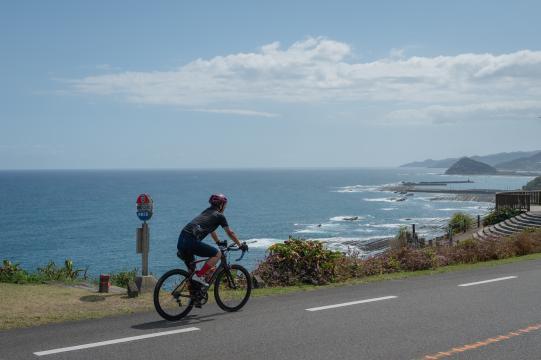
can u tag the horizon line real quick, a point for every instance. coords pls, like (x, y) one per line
(209, 168)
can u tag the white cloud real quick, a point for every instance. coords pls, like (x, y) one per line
(453, 113)
(323, 70)
(104, 67)
(241, 112)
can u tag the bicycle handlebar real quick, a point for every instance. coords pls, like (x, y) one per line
(233, 247)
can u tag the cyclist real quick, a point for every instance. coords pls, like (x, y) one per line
(190, 238)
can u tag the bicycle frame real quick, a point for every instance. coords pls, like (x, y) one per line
(223, 264)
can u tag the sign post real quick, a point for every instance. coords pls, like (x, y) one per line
(145, 208)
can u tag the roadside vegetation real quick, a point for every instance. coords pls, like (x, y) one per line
(496, 216)
(122, 278)
(13, 273)
(300, 261)
(461, 222)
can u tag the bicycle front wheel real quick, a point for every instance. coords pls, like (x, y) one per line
(232, 288)
(172, 297)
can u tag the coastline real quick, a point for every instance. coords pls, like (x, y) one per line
(313, 204)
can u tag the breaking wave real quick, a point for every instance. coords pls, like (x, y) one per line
(348, 218)
(391, 200)
(363, 188)
(263, 243)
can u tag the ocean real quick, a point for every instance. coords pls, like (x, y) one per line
(89, 215)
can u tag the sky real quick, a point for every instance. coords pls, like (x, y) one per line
(246, 84)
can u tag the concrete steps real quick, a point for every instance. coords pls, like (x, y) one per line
(510, 226)
(531, 218)
(524, 222)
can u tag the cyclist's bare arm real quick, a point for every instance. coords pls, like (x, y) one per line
(215, 237)
(232, 235)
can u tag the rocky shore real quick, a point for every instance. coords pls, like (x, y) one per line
(481, 195)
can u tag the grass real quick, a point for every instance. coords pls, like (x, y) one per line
(38, 304)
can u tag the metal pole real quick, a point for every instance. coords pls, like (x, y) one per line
(146, 236)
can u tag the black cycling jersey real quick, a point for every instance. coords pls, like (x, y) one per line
(205, 223)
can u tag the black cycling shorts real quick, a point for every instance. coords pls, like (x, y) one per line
(189, 247)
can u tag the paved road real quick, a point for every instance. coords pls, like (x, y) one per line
(429, 317)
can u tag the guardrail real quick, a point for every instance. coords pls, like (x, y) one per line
(521, 200)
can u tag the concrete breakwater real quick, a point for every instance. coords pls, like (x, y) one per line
(483, 195)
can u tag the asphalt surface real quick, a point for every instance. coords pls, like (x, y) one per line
(424, 317)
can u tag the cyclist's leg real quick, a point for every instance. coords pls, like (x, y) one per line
(185, 252)
(205, 250)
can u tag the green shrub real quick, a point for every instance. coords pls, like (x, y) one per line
(415, 259)
(299, 261)
(122, 278)
(12, 273)
(66, 273)
(500, 215)
(460, 222)
(402, 238)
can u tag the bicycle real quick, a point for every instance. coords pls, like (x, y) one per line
(176, 294)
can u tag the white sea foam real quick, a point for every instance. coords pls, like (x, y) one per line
(348, 218)
(363, 188)
(425, 219)
(385, 226)
(480, 207)
(436, 197)
(310, 231)
(358, 188)
(361, 230)
(263, 243)
(347, 243)
(360, 239)
(390, 200)
(388, 209)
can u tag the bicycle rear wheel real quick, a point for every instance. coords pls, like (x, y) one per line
(232, 288)
(172, 297)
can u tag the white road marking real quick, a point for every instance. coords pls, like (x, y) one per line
(489, 281)
(351, 303)
(115, 341)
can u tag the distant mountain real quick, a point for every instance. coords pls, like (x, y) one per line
(467, 166)
(492, 159)
(495, 159)
(530, 163)
(429, 163)
(535, 184)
